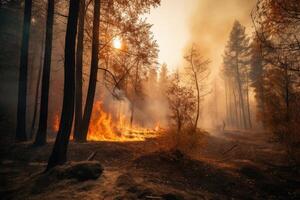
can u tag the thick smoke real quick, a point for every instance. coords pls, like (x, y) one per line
(210, 26)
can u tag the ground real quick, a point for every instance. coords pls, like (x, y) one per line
(230, 165)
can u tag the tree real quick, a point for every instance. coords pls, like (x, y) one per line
(257, 73)
(182, 104)
(93, 73)
(198, 73)
(41, 135)
(79, 64)
(277, 26)
(236, 61)
(59, 152)
(163, 77)
(22, 93)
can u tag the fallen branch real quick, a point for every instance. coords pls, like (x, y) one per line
(92, 156)
(230, 149)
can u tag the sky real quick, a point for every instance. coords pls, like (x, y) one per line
(171, 29)
(178, 23)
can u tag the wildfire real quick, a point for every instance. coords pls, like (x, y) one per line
(104, 128)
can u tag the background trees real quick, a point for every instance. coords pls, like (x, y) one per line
(236, 73)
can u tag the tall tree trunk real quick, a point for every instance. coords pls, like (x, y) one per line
(22, 93)
(241, 98)
(78, 82)
(237, 118)
(197, 89)
(93, 72)
(248, 103)
(132, 113)
(198, 100)
(38, 83)
(59, 152)
(41, 135)
(226, 102)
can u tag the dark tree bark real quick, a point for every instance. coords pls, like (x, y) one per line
(248, 102)
(59, 153)
(36, 98)
(93, 72)
(22, 93)
(78, 87)
(41, 136)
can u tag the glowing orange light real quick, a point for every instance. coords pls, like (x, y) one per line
(56, 123)
(104, 128)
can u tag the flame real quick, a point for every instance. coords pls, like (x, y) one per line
(55, 126)
(104, 128)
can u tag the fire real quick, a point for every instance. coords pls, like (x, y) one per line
(104, 128)
(55, 126)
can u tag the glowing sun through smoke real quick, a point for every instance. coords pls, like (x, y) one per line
(117, 43)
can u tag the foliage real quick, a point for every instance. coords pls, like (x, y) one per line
(275, 64)
(182, 103)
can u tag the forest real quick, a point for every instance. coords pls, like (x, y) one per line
(149, 99)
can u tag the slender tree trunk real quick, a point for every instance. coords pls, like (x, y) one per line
(248, 103)
(197, 89)
(237, 118)
(59, 152)
(41, 135)
(22, 93)
(132, 113)
(226, 102)
(79, 64)
(135, 93)
(262, 90)
(36, 98)
(93, 72)
(239, 82)
(198, 100)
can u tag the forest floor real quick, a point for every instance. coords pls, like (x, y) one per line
(230, 165)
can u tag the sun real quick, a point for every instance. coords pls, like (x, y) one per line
(117, 43)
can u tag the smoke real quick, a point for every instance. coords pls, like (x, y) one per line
(209, 27)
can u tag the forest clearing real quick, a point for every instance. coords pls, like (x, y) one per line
(149, 99)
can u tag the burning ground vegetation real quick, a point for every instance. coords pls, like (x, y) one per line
(104, 126)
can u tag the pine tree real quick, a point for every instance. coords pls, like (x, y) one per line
(236, 61)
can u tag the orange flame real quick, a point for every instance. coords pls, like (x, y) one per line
(55, 126)
(103, 128)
